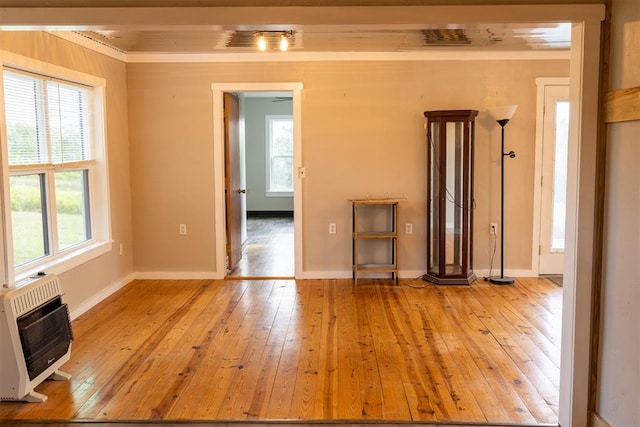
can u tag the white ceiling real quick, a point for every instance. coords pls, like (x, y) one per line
(230, 30)
(239, 39)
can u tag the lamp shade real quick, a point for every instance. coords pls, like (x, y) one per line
(502, 113)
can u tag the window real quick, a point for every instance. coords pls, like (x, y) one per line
(55, 164)
(279, 155)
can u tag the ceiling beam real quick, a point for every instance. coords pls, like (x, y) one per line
(180, 18)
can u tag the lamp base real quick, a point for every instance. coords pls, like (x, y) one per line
(497, 280)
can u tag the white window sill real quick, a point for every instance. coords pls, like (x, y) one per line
(279, 194)
(65, 262)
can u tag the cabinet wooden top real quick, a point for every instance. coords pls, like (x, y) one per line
(467, 114)
(376, 201)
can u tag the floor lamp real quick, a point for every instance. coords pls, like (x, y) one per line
(502, 115)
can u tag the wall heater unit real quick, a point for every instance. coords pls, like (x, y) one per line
(35, 337)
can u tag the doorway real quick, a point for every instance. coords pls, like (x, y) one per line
(266, 176)
(292, 90)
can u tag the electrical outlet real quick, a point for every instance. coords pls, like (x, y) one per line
(183, 229)
(493, 228)
(408, 228)
(332, 228)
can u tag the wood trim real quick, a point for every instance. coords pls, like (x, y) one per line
(598, 221)
(596, 420)
(622, 105)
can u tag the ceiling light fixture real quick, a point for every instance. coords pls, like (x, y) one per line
(267, 39)
(262, 42)
(284, 42)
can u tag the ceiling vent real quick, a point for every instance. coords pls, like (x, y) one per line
(474, 36)
(446, 37)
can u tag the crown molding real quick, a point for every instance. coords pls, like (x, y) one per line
(89, 43)
(434, 55)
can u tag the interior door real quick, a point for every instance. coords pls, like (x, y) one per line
(554, 179)
(233, 192)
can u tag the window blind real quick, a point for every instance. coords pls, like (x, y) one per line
(47, 120)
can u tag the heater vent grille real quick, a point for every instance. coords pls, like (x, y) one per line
(35, 296)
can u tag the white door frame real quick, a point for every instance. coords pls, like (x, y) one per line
(541, 83)
(578, 279)
(218, 165)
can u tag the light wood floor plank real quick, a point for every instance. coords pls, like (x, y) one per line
(221, 354)
(542, 368)
(327, 400)
(312, 349)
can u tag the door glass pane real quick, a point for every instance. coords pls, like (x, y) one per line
(28, 218)
(72, 207)
(453, 190)
(434, 192)
(560, 176)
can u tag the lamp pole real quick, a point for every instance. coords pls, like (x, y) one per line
(502, 280)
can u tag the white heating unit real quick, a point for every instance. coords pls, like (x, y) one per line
(35, 337)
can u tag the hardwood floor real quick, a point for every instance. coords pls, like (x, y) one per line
(269, 249)
(312, 350)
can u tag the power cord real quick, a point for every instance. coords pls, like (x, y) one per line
(495, 243)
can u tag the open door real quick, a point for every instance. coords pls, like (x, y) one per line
(233, 192)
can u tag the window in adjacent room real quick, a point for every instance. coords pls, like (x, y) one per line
(56, 171)
(279, 155)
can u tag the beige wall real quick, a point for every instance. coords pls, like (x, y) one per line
(83, 283)
(619, 369)
(362, 132)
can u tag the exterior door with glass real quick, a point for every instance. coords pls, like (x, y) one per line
(554, 179)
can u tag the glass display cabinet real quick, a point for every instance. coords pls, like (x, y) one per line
(450, 136)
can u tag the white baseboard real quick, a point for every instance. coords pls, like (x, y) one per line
(100, 296)
(347, 274)
(329, 274)
(176, 275)
(325, 275)
(411, 274)
(509, 273)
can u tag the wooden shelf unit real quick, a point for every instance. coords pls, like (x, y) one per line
(388, 235)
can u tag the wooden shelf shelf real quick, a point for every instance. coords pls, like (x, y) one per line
(387, 233)
(377, 268)
(374, 234)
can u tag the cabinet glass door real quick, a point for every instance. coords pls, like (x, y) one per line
(434, 197)
(453, 196)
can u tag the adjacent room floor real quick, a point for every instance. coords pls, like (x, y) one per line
(269, 249)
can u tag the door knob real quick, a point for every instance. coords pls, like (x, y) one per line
(241, 191)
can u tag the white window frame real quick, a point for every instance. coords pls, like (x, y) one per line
(100, 241)
(268, 119)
